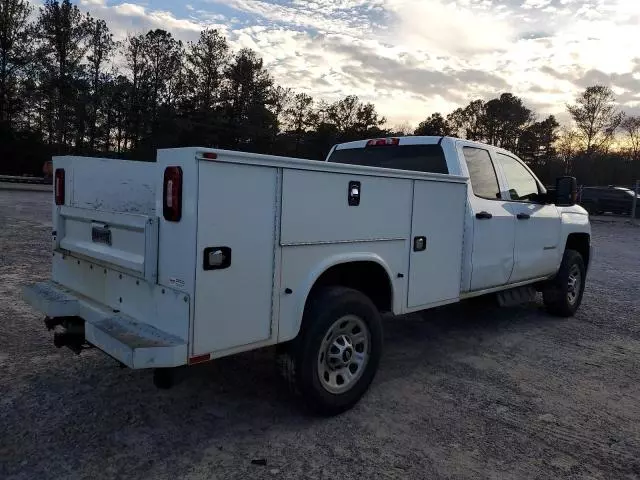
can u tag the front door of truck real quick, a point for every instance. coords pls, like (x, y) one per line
(493, 232)
(537, 251)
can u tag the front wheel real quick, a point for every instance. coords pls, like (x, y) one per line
(563, 295)
(336, 355)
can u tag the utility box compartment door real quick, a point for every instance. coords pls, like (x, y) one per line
(436, 242)
(324, 207)
(236, 219)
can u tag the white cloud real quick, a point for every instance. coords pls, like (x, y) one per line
(446, 27)
(321, 15)
(158, 18)
(535, 3)
(125, 18)
(130, 9)
(414, 57)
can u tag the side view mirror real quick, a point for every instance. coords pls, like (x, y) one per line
(566, 191)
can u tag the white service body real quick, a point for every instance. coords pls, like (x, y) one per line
(147, 299)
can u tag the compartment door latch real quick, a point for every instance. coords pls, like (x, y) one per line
(216, 258)
(353, 195)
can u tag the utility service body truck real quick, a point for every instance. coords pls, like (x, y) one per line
(207, 252)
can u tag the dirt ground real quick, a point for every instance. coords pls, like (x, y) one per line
(468, 391)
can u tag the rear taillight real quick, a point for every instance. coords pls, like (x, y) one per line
(59, 186)
(172, 194)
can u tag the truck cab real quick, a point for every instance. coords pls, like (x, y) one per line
(514, 231)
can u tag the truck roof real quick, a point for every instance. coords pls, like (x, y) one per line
(416, 140)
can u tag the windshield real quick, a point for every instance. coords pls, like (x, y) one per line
(418, 158)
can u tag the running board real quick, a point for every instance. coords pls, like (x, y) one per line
(516, 296)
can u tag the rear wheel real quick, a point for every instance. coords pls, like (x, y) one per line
(563, 295)
(335, 357)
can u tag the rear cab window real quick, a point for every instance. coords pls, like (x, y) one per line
(417, 158)
(484, 181)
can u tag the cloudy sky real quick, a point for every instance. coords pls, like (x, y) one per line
(414, 57)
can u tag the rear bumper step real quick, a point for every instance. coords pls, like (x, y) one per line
(51, 300)
(135, 344)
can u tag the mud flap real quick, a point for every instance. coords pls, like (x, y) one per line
(516, 296)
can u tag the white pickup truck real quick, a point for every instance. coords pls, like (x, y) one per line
(206, 252)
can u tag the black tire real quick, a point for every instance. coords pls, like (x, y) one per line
(300, 362)
(559, 297)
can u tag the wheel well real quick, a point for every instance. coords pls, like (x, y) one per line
(580, 243)
(365, 276)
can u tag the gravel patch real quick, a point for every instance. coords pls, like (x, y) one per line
(466, 391)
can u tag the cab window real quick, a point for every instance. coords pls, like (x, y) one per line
(418, 158)
(522, 185)
(484, 181)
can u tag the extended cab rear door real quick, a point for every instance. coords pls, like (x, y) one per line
(491, 219)
(537, 251)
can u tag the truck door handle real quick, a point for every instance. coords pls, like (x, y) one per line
(216, 258)
(483, 215)
(523, 216)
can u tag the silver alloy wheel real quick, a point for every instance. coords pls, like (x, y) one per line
(574, 284)
(344, 354)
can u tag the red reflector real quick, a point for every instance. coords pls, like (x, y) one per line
(59, 186)
(377, 142)
(200, 358)
(172, 194)
(209, 155)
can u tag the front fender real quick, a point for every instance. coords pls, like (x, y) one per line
(574, 221)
